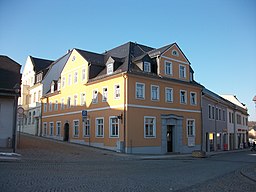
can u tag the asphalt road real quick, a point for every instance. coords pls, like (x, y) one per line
(48, 165)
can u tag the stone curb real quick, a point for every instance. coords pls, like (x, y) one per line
(9, 156)
(249, 173)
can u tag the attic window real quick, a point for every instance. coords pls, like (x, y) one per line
(109, 68)
(147, 67)
(52, 87)
(175, 53)
(73, 58)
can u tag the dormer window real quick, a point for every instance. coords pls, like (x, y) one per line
(110, 68)
(58, 85)
(38, 77)
(147, 67)
(52, 87)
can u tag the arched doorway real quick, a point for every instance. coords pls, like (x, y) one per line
(66, 132)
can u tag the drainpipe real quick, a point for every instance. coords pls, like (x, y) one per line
(202, 128)
(125, 108)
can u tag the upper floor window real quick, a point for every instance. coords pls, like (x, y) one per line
(209, 111)
(34, 97)
(83, 74)
(191, 127)
(69, 102)
(175, 53)
(62, 103)
(75, 100)
(95, 96)
(168, 68)
(110, 68)
(149, 127)
(182, 71)
(39, 95)
(213, 112)
(75, 77)
(39, 77)
(168, 94)
(117, 91)
(63, 82)
(45, 107)
(154, 92)
(50, 106)
(140, 91)
(183, 97)
(58, 85)
(69, 79)
(192, 98)
(56, 105)
(238, 119)
(105, 94)
(52, 87)
(147, 66)
(83, 101)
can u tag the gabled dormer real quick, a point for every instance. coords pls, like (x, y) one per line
(53, 86)
(112, 64)
(145, 63)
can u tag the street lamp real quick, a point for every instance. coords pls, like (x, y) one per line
(16, 89)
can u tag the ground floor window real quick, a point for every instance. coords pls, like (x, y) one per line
(149, 127)
(58, 126)
(76, 128)
(191, 127)
(114, 127)
(86, 126)
(45, 129)
(99, 127)
(51, 128)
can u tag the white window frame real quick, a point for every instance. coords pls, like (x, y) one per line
(95, 96)
(63, 82)
(75, 102)
(50, 106)
(185, 97)
(83, 99)
(191, 98)
(110, 68)
(58, 128)
(104, 94)
(86, 128)
(166, 63)
(45, 107)
(97, 126)
(111, 135)
(181, 75)
(83, 74)
(117, 91)
(56, 105)
(146, 66)
(75, 127)
(193, 128)
(143, 90)
(69, 102)
(166, 97)
(45, 128)
(153, 94)
(154, 127)
(69, 79)
(75, 77)
(177, 53)
(62, 106)
(51, 128)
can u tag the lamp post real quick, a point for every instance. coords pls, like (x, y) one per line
(16, 89)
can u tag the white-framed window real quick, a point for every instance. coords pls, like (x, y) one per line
(110, 68)
(182, 71)
(168, 67)
(149, 127)
(105, 94)
(191, 128)
(86, 128)
(45, 128)
(52, 87)
(69, 79)
(114, 127)
(213, 112)
(168, 95)
(99, 127)
(193, 98)
(140, 91)
(69, 102)
(83, 99)
(117, 91)
(62, 103)
(154, 92)
(183, 97)
(147, 66)
(50, 106)
(95, 96)
(175, 52)
(75, 128)
(56, 105)
(75, 77)
(83, 74)
(58, 86)
(51, 127)
(45, 107)
(63, 82)
(58, 127)
(75, 100)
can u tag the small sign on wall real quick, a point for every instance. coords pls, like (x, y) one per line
(191, 141)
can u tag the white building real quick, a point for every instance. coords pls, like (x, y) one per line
(31, 93)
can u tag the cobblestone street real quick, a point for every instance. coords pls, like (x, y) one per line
(48, 165)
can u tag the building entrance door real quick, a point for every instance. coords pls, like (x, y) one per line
(169, 138)
(66, 132)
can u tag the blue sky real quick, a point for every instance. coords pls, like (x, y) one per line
(218, 37)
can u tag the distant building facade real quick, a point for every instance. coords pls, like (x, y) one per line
(10, 79)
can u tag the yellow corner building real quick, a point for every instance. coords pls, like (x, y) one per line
(131, 99)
